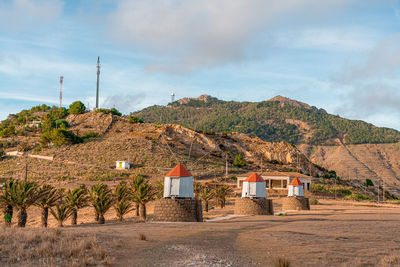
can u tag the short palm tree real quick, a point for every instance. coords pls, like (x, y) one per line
(122, 204)
(160, 189)
(77, 199)
(94, 193)
(61, 212)
(197, 188)
(206, 195)
(136, 182)
(102, 203)
(23, 195)
(141, 196)
(50, 198)
(6, 202)
(221, 193)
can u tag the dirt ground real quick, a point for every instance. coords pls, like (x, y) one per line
(331, 234)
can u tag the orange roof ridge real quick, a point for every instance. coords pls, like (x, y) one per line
(179, 171)
(254, 177)
(296, 181)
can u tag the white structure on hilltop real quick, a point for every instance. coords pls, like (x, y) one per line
(254, 187)
(178, 183)
(122, 165)
(296, 188)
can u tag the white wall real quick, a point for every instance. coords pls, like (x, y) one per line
(295, 190)
(260, 189)
(185, 187)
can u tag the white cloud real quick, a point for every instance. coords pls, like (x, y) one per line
(203, 33)
(382, 61)
(344, 39)
(21, 14)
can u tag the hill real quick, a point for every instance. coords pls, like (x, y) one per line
(87, 146)
(274, 120)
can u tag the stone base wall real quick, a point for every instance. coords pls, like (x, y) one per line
(295, 203)
(178, 210)
(255, 206)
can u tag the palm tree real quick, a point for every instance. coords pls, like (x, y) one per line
(103, 202)
(24, 195)
(5, 201)
(50, 198)
(206, 195)
(122, 200)
(61, 212)
(136, 182)
(221, 193)
(77, 199)
(160, 189)
(141, 196)
(197, 189)
(95, 191)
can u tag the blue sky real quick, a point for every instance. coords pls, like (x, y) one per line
(340, 55)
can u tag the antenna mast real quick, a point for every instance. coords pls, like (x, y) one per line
(98, 78)
(61, 85)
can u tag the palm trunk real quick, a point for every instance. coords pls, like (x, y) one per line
(206, 205)
(45, 215)
(8, 213)
(60, 224)
(96, 216)
(74, 216)
(22, 217)
(142, 208)
(120, 217)
(221, 202)
(137, 209)
(101, 219)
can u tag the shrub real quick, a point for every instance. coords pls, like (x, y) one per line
(358, 197)
(314, 201)
(76, 107)
(2, 153)
(133, 119)
(368, 182)
(89, 134)
(239, 161)
(62, 124)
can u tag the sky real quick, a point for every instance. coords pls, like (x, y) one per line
(339, 55)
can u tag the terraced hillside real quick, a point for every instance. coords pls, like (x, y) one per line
(152, 149)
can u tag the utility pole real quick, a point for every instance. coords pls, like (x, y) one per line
(261, 164)
(61, 92)
(98, 79)
(335, 187)
(383, 191)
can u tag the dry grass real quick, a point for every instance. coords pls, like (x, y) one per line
(50, 247)
(142, 237)
(282, 262)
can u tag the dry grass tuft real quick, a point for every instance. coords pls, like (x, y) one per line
(282, 262)
(390, 260)
(142, 237)
(49, 247)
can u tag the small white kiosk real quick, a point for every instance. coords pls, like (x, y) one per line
(254, 187)
(178, 183)
(296, 188)
(122, 165)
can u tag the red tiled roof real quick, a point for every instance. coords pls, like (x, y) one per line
(295, 181)
(179, 171)
(254, 177)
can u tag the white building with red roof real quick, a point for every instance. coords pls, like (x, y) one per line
(254, 187)
(178, 183)
(296, 188)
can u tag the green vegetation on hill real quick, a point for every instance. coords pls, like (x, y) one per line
(269, 120)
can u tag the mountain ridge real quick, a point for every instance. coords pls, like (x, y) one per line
(277, 119)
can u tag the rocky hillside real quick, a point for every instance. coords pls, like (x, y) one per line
(152, 148)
